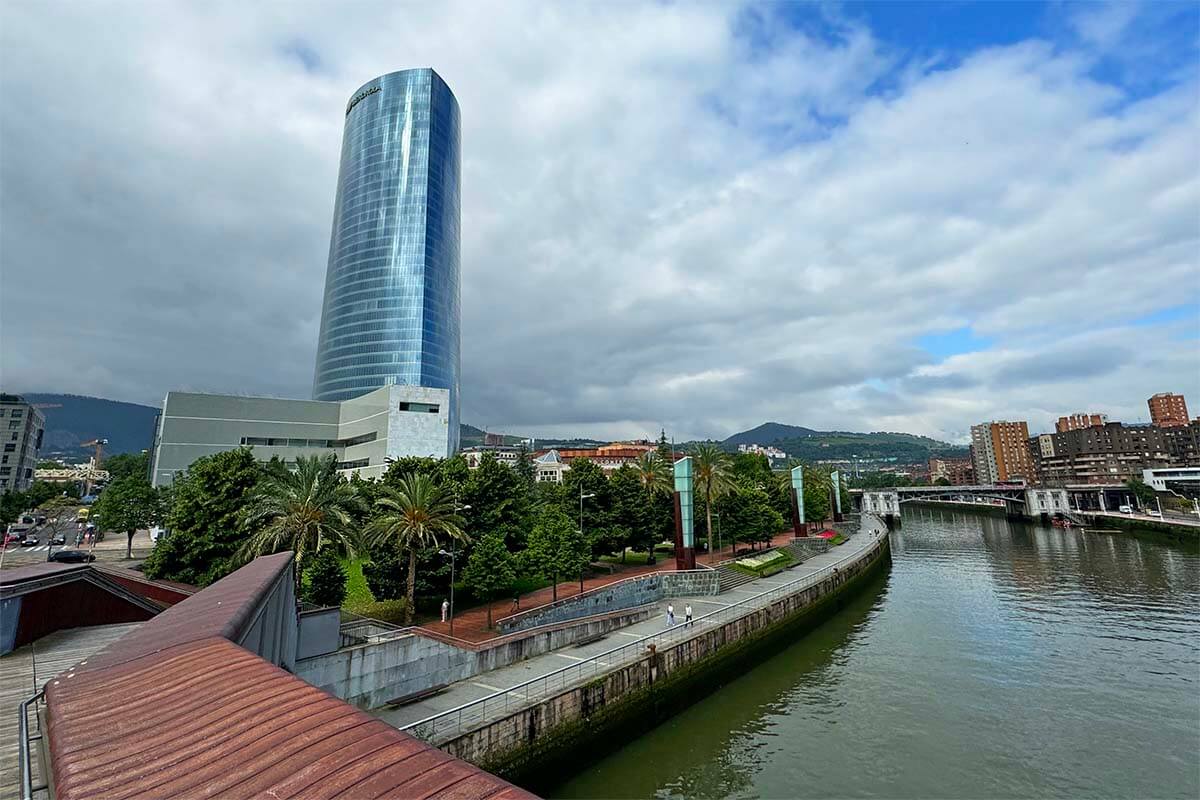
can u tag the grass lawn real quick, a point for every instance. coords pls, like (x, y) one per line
(357, 592)
(632, 558)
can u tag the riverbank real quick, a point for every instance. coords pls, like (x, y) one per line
(610, 698)
(991, 659)
(1137, 524)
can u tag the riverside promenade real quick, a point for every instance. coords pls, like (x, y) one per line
(473, 702)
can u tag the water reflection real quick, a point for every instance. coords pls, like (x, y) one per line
(995, 660)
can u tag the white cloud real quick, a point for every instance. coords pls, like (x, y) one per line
(660, 226)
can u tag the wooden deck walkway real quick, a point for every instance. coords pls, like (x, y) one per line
(26, 670)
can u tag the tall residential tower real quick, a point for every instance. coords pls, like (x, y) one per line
(391, 309)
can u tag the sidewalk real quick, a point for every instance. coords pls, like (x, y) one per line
(489, 683)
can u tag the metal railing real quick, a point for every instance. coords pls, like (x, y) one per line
(26, 765)
(453, 722)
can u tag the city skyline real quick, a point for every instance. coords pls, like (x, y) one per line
(880, 230)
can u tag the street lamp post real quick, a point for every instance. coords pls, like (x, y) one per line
(582, 497)
(717, 514)
(453, 556)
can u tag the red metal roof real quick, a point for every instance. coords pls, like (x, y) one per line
(222, 609)
(177, 710)
(208, 718)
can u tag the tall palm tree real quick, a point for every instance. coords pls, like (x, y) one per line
(654, 474)
(414, 513)
(303, 511)
(713, 475)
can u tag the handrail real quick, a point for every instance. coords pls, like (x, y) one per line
(607, 660)
(27, 787)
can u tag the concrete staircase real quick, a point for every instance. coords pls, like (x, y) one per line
(730, 578)
(804, 549)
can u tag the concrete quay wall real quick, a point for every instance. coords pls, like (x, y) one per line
(549, 738)
(368, 675)
(629, 593)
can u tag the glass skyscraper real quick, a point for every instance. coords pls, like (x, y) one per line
(391, 310)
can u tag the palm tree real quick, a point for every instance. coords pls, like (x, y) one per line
(303, 511)
(414, 513)
(654, 474)
(712, 473)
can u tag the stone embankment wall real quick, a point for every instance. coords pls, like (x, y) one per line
(369, 675)
(629, 593)
(550, 737)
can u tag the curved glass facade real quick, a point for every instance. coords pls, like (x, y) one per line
(391, 310)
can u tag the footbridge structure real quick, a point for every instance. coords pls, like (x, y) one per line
(1017, 500)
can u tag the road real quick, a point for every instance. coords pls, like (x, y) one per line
(1174, 519)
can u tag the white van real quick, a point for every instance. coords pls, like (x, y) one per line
(1125, 510)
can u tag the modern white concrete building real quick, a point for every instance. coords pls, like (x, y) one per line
(363, 432)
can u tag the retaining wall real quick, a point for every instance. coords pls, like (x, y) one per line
(628, 593)
(369, 675)
(533, 745)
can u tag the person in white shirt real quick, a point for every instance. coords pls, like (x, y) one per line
(687, 614)
(445, 609)
(670, 615)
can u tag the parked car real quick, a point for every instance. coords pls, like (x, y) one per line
(1154, 512)
(11, 537)
(58, 538)
(30, 541)
(1125, 509)
(72, 557)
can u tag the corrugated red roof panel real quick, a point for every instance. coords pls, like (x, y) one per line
(208, 718)
(222, 609)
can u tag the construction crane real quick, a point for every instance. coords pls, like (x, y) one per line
(99, 445)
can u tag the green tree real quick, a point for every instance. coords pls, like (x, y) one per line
(413, 513)
(586, 477)
(942, 481)
(327, 579)
(304, 511)
(524, 466)
(713, 477)
(631, 508)
(203, 519)
(556, 548)
(58, 515)
(123, 465)
(489, 572)
(1145, 494)
(752, 469)
(127, 505)
(747, 515)
(498, 500)
(665, 450)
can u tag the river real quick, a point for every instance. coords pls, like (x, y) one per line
(995, 659)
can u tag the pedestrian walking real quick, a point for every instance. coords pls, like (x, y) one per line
(687, 615)
(516, 606)
(670, 615)
(445, 610)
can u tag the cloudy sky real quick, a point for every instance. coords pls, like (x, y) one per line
(703, 217)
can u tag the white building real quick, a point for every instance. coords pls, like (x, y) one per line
(549, 468)
(363, 433)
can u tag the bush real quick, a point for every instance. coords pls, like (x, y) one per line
(327, 579)
(383, 610)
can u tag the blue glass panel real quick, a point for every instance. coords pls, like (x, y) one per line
(392, 291)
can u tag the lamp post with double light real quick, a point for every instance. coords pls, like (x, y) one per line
(582, 497)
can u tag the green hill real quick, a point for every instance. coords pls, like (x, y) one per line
(72, 419)
(811, 445)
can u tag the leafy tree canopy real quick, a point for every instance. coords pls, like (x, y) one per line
(203, 519)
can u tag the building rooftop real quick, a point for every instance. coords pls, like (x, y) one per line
(177, 709)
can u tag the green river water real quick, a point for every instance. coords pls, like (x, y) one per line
(995, 659)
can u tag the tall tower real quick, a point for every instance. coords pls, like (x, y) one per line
(391, 309)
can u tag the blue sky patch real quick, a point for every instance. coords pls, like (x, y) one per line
(952, 343)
